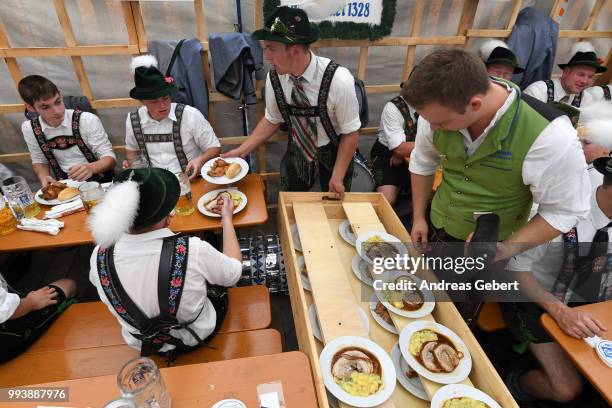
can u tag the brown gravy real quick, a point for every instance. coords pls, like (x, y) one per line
(442, 339)
(372, 358)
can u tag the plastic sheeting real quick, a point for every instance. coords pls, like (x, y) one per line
(34, 23)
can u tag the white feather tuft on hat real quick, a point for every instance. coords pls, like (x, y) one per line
(595, 124)
(115, 215)
(320, 9)
(487, 48)
(582, 46)
(146, 60)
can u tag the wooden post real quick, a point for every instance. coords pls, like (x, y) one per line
(606, 77)
(203, 37)
(66, 25)
(588, 25)
(128, 17)
(419, 7)
(11, 63)
(467, 16)
(140, 27)
(516, 8)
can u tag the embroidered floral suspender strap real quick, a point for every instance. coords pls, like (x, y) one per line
(409, 124)
(175, 137)
(76, 132)
(328, 75)
(606, 92)
(46, 147)
(550, 90)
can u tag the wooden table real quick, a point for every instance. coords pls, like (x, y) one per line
(75, 231)
(202, 385)
(585, 358)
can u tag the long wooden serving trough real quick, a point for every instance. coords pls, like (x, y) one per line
(337, 293)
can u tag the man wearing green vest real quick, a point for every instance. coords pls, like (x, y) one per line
(500, 151)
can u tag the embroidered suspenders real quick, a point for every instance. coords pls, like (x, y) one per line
(409, 124)
(175, 137)
(319, 111)
(153, 332)
(550, 94)
(63, 143)
(606, 92)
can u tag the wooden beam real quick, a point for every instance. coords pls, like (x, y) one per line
(11, 63)
(584, 34)
(377, 89)
(488, 33)
(128, 17)
(80, 51)
(140, 27)
(393, 41)
(258, 14)
(516, 8)
(554, 12)
(605, 77)
(415, 30)
(363, 62)
(467, 16)
(588, 25)
(114, 103)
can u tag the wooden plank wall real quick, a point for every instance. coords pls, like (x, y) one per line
(137, 44)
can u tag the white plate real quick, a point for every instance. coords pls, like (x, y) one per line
(297, 244)
(429, 299)
(388, 327)
(358, 265)
(412, 385)
(69, 183)
(460, 390)
(244, 170)
(211, 194)
(459, 374)
(401, 248)
(388, 371)
(316, 329)
(305, 281)
(346, 234)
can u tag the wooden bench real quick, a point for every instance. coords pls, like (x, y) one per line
(87, 325)
(60, 365)
(490, 318)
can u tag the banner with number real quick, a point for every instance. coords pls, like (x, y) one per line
(358, 19)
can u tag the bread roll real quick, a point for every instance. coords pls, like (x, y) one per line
(233, 170)
(67, 193)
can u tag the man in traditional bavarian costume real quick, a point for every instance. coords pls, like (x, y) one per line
(396, 135)
(316, 98)
(167, 135)
(63, 143)
(150, 277)
(499, 151)
(576, 266)
(577, 75)
(500, 60)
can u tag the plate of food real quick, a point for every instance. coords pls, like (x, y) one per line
(210, 200)
(304, 273)
(357, 371)
(435, 352)
(381, 315)
(297, 244)
(346, 232)
(376, 244)
(58, 192)
(362, 270)
(224, 171)
(460, 396)
(403, 296)
(407, 377)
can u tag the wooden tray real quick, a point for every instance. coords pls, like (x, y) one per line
(337, 293)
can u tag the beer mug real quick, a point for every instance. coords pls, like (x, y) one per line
(141, 386)
(20, 197)
(8, 223)
(185, 205)
(91, 193)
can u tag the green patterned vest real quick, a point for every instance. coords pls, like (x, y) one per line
(489, 180)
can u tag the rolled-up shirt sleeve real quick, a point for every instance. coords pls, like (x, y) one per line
(424, 159)
(273, 114)
(218, 268)
(556, 172)
(95, 136)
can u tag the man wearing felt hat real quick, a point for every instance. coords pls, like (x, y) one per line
(168, 135)
(146, 274)
(577, 75)
(573, 267)
(315, 97)
(500, 60)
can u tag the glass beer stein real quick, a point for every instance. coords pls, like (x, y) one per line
(141, 386)
(20, 197)
(185, 205)
(91, 194)
(8, 223)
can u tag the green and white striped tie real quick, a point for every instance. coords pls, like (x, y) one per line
(303, 128)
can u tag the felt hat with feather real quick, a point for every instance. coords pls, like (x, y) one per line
(150, 82)
(583, 53)
(288, 25)
(498, 52)
(138, 198)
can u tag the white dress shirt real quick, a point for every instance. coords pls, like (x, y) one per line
(554, 168)
(92, 133)
(8, 301)
(342, 103)
(196, 134)
(545, 260)
(539, 91)
(137, 263)
(391, 129)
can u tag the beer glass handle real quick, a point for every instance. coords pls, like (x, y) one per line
(120, 403)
